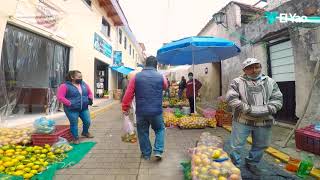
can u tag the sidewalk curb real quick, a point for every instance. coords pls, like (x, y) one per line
(94, 113)
(274, 152)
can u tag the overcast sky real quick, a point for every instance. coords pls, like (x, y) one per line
(155, 22)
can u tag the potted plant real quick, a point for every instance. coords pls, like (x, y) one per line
(106, 94)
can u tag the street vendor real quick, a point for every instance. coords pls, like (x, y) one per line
(190, 93)
(254, 98)
(167, 91)
(76, 95)
(182, 86)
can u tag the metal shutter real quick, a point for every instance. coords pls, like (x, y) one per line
(282, 62)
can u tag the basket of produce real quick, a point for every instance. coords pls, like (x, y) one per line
(212, 122)
(209, 162)
(192, 122)
(170, 119)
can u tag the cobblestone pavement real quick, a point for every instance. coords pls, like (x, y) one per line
(112, 159)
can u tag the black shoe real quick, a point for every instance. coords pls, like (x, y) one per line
(88, 135)
(145, 157)
(255, 170)
(76, 141)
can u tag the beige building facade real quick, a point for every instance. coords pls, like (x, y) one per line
(58, 36)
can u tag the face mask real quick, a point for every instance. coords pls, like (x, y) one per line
(255, 78)
(190, 77)
(78, 81)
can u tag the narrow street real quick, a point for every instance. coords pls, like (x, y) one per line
(112, 159)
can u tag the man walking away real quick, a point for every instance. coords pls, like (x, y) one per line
(147, 87)
(254, 98)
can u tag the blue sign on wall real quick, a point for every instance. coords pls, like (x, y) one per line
(117, 57)
(102, 46)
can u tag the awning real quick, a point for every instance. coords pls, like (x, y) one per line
(140, 65)
(122, 69)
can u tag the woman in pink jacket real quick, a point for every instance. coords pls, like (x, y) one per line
(76, 96)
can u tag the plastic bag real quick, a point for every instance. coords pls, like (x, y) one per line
(169, 110)
(61, 146)
(186, 168)
(44, 125)
(178, 113)
(213, 163)
(209, 113)
(129, 133)
(208, 139)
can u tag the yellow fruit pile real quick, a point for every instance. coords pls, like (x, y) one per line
(183, 102)
(27, 161)
(212, 122)
(205, 164)
(173, 101)
(13, 136)
(170, 119)
(165, 103)
(192, 122)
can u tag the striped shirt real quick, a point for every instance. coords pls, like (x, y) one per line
(254, 102)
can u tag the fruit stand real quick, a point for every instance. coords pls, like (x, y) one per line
(27, 154)
(174, 117)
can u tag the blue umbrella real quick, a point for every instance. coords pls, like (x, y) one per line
(197, 50)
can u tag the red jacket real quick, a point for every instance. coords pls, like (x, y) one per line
(189, 92)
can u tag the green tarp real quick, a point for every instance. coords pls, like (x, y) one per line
(74, 157)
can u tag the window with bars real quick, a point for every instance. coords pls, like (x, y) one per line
(120, 36)
(130, 49)
(125, 42)
(105, 27)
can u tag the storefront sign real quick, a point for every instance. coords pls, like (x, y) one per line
(42, 13)
(117, 58)
(102, 46)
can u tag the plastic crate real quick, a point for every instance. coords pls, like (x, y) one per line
(308, 139)
(223, 118)
(60, 131)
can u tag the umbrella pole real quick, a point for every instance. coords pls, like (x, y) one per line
(194, 85)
